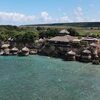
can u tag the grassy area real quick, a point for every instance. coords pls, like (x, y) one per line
(82, 28)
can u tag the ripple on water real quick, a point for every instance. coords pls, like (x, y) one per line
(42, 78)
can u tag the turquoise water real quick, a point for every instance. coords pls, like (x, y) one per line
(42, 78)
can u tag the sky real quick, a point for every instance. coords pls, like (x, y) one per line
(22, 12)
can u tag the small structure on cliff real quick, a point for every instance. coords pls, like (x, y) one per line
(90, 40)
(24, 52)
(5, 49)
(14, 51)
(63, 32)
(61, 40)
(4, 46)
(85, 56)
(71, 55)
(96, 60)
(95, 47)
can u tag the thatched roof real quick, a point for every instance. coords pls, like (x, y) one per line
(90, 39)
(66, 38)
(76, 40)
(71, 52)
(64, 31)
(93, 44)
(25, 49)
(5, 46)
(41, 40)
(36, 41)
(86, 51)
(14, 49)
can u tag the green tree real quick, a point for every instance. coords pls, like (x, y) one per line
(19, 38)
(73, 32)
(29, 37)
(3, 36)
(51, 32)
(42, 34)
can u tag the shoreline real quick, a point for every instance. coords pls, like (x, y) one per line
(49, 57)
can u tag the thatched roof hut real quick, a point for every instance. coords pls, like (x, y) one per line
(96, 60)
(90, 39)
(24, 52)
(71, 53)
(76, 40)
(93, 44)
(85, 56)
(64, 31)
(41, 40)
(5, 46)
(25, 49)
(14, 49)
(86, 51)
(95, 47)
(66, 38)
(33, 52)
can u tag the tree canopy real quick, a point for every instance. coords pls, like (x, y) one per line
(73, 32)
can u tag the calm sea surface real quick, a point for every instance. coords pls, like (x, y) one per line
(42, 78)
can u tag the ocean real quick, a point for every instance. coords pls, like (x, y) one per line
(43, 78)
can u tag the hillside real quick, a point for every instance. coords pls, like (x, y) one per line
(82, 27)
(80, 24)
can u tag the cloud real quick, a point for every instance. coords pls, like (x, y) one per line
(15, 17)
(79, 11)
(79, 14)
(18, 18)
(45, 17)
(81, 17)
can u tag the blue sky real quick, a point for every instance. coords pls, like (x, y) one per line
(18, 12)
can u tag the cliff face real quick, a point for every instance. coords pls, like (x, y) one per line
(53, 51)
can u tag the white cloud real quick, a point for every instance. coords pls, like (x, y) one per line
(18, 18)
(15, 17)
(81, 17)
(79, 11)
(79, 14)
(45, 17)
